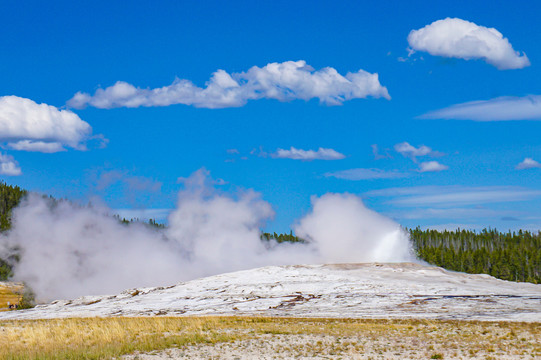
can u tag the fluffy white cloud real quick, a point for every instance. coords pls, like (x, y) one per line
(8, 166)
(29, 126)
(365, 174)
(432, 166)
(285, 81)
(457, 38)
(528, 163)
(497, 109)
(308, 155)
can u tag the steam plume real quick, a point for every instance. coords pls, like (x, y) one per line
(69, 251)
(344, 230)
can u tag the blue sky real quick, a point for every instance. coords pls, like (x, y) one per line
(129, 147)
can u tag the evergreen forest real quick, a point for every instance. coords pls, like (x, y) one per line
(514, 256)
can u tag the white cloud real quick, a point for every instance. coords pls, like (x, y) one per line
(497, 109)
(412, 152)
(455, 195)
(470, 197)
(285, 81)
(39, 146)
(308, 155)
(451, 213)
(528, 163)
(137, 191)
(432, 166)
(365, 174)
(8, 166)
(106, 178)
(40, 127)
(408, 150)
(377, 155)
(457, 38)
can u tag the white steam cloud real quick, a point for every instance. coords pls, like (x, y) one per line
(69, 251)
(344, 230)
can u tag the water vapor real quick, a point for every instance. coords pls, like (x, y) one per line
(68, 251)
(344, 230)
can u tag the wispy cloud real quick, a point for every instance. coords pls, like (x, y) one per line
(366, 174)
(308, 155)
(8, 166)
(432, 166)
(106, 178)
(451, 213)
(138, 191)
(457, 38)
(378, 155)
(444, 196)
(285, 81)
(469, 197)
(413, 152)
(528, 163)
(498, 109)
(26, 125)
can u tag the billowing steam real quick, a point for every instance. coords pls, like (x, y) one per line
(68, 251)
(344, 230)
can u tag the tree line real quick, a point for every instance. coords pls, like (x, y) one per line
(514, 256)
(10, 196)
(280, 238)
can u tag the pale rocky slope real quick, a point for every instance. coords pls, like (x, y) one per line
(402, 290)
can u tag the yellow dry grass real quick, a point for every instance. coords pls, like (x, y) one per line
(103, 338)
(10, 292)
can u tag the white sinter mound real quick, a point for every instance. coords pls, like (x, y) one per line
(402, 290)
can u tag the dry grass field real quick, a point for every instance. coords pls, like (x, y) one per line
(264, 337)
(10, 292)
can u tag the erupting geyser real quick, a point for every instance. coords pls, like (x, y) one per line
(68, 251)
